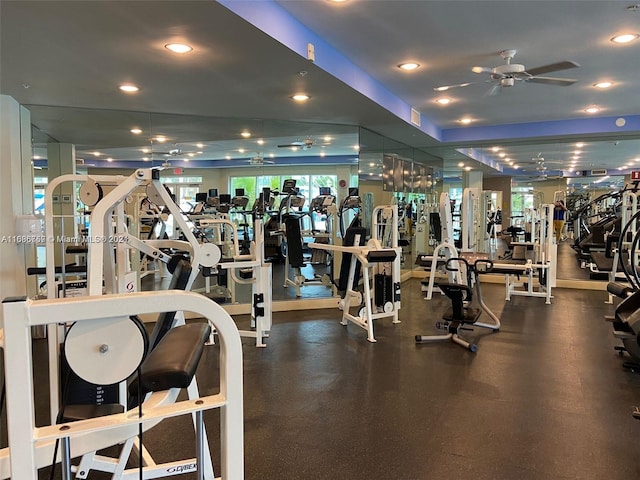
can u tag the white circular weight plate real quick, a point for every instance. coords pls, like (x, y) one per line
(90, 193)
(105, 351)
(388, 307)
(208, 254)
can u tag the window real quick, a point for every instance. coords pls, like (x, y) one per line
(309, 185)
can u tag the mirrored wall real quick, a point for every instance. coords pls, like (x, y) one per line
(411, 178)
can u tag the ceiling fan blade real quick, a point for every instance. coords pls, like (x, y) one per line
(552, 67)
(561, 82)
(447, 87)
(292, 144)
(495, 90)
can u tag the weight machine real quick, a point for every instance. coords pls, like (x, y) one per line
(380, 254)
(31, 447)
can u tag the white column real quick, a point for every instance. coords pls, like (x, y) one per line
(16, 195)
(61, 160)
(472, 179)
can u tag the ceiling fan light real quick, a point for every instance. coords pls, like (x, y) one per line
(477, 69)
(625, 38)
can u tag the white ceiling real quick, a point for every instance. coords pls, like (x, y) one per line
(74, 54)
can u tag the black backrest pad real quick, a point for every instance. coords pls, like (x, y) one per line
(348, 241)
(173, 363)
(165, 321)
(294, 240)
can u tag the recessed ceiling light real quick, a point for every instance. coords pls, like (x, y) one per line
(327, 138)
(579, 144)
(272, 155)
(356, 147)
(625, 38)
(322, 154)
(178, 47)
(465, 120)
(260, 142)
(300, 97)
(109, 159)
(228, 157)
(96, 154)
(144, 150)
(136, 131)
(592, 109)
(129, 88)
(146, 159)
(443, 100)
(37, 157)
(245, 134)
(408, 66)
(160, 138)
(461, 164)
(200, 145)
(199, 152)
(603, 85)
(241, 150)
(502, 154)
(495, 149)
(191, 154)
(468, 169)
(185, 160)
(577, 152)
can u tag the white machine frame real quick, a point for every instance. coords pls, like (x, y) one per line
(32, 447)
(388, 230)
(545, 259)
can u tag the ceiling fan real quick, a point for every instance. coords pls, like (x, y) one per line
(508, 74)
(259, 160)
(305, 144)
(173, 152)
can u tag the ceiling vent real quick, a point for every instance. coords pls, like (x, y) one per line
(415, 117)
(595, 173)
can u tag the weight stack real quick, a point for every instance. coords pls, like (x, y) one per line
(383, 285)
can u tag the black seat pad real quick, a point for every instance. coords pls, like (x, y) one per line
(173, 362)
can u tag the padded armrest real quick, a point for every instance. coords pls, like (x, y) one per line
(173, 362)
(619, 290)
(377, 256)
